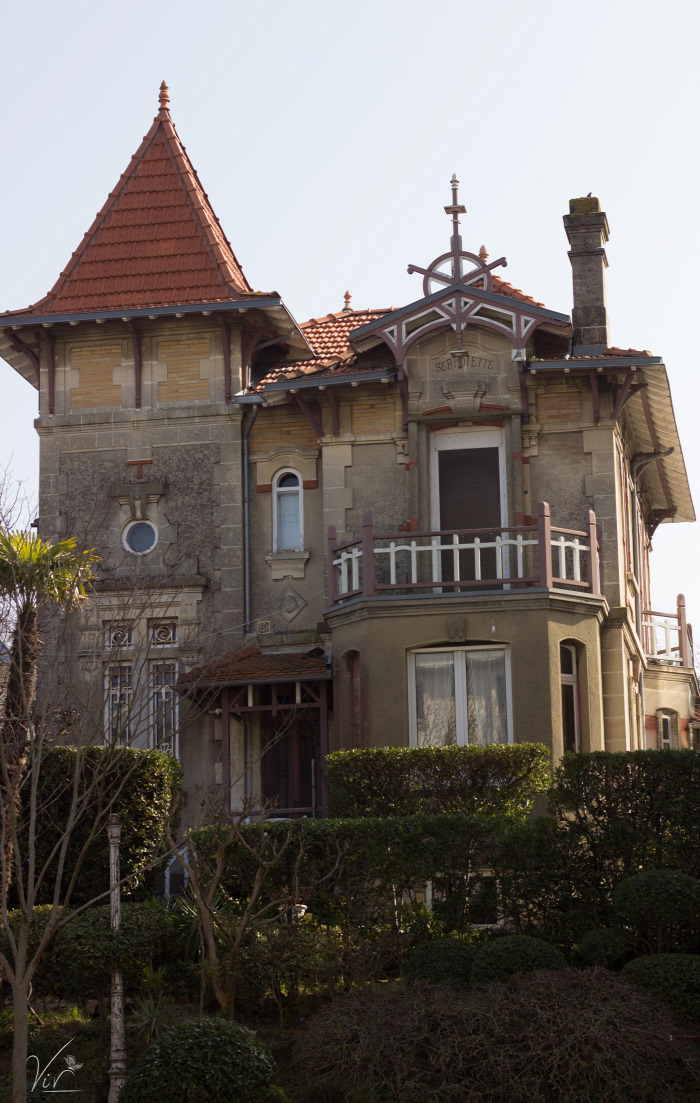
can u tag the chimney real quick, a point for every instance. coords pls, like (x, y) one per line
(587, 230)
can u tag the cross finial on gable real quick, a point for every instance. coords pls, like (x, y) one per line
(455, 208)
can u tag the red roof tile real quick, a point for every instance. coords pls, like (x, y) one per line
(612, 353)
(250, 664)
(156, 241)
(500, 287)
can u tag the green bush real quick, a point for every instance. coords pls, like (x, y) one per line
(203, 1061)
(548, 885)
(444, 961)
(663, 906)
(498, 780)
(570, 1036)
(364, 875)
(79, 961)
(144, 786)
(516, 953)
(631, 809)
(672, 978)
(608, 947)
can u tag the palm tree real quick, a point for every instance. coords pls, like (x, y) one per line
(34, 574)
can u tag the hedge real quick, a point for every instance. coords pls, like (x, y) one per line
(631, 809)
(516, 953)
(147, 785)
(662, 906)
(80, 959)
(496, 780)
(367, 873)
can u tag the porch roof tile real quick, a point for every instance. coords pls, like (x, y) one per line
(249, 664)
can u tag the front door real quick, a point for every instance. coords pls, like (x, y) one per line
(468, 492)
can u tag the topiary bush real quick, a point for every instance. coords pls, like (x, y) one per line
(500, 780)
(663, 906)
(672, 978)
(608, 947)
(569, 1036)
(443, 961)
(516, 953)
(147, 786)
(204, 1061)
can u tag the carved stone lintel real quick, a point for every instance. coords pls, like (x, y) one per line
(138, 496)
(465, 398)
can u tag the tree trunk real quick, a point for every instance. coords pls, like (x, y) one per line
(19, 700)
(20, 1042)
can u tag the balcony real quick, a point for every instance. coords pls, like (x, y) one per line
(667, 637)
(451, 562)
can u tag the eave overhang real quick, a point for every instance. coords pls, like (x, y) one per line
(380, 375)
(270, 304)
(649, 413)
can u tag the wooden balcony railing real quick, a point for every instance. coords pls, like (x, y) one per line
(668, 638)
(459, 561)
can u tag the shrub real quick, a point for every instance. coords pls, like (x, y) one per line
(580, 1036)
(548, 885)
(631, 809)
(672, 978)
(147, 784)
(444, 961)
(608, 947)
(663, 905)
(379, 867)
(200, 1061)
(516, 953)
(78, 963)
(498, 780)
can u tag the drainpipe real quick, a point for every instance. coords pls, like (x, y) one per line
(256, 402)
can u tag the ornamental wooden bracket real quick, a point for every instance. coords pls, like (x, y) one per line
(308, 413)
(625, 393)
(21, 346)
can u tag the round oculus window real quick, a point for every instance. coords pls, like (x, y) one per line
(140, 537)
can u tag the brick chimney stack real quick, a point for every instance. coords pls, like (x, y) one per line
(587, 230)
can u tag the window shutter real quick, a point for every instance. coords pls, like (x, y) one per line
(470, 491)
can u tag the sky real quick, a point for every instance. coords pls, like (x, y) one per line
(325, 135)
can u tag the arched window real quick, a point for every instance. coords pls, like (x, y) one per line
(287, 512)
(571, 724)
(666, 729)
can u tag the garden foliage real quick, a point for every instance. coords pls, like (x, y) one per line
(662, 906)
(672, 978)
(613, 814)
(442, 961)
(202, 1060)
(498, 780)
(516, 953)
(144, 787)
(378, 867)
(576, 1036)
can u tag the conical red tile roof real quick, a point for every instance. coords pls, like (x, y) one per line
(156, 242)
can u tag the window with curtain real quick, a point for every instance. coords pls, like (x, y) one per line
(288, 512)
(459, 695)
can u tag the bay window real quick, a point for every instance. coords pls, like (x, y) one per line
(459, 695)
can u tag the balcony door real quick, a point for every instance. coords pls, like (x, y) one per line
(468, 491)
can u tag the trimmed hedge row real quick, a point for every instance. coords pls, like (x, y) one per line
(144, 786)
(368, 872)
(399, 781)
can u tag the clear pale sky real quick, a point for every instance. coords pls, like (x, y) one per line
(326, 135)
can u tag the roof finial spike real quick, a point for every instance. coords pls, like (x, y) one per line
(484, 253)
(164, 97)
(455, 209)
(347, 298)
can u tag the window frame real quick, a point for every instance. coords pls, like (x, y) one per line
(571, 680)
(461, 702)
(278, 491)
(164, 696)
(131, 525)
(444, 440)
(117, 698)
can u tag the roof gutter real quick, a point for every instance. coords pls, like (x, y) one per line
(16, 321)
(382, 375)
